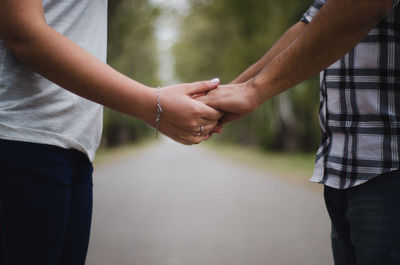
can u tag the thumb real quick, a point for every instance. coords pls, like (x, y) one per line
(203, 87)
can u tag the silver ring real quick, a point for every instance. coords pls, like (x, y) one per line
(201, 132)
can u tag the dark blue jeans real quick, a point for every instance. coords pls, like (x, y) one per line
(366, 222)
(45, 204)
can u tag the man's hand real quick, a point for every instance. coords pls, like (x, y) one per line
(235, 100)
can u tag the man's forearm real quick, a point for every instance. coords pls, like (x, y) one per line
(286, 39)
(338, 27)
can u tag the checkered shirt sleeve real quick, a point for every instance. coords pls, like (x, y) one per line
(313, 11)
(360, 109)
(317, 5)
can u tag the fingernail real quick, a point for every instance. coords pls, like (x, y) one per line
(215, 80)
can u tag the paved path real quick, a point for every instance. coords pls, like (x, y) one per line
(176, 205)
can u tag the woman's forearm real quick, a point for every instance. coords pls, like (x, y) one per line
(63, 62)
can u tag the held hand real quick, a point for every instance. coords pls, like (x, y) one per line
(185, 119)
(235, 100)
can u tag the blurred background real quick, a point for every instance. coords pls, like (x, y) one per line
(243, 198)
(166, 42)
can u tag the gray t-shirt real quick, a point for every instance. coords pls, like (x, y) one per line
(33, 109)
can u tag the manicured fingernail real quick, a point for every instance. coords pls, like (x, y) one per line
(215, 80)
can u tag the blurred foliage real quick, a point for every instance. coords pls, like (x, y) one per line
(222, 38)
(132, 51)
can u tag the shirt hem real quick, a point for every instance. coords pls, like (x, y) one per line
(14, 133)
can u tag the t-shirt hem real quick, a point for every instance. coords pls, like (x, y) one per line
(14, 133)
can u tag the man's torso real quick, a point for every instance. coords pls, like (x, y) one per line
(360, 107)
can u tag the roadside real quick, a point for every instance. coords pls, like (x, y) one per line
(296, 168)
(292, 167)
(106, 156)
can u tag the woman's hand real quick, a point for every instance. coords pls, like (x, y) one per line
(185, 119)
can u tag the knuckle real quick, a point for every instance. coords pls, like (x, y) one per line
(195, 110)
(192, 125)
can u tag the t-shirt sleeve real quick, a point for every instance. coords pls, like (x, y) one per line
(313, 10)
(396, 2)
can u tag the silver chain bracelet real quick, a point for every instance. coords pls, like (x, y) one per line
(159, 110)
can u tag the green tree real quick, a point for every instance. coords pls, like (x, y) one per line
(222, 38)
(131, 50)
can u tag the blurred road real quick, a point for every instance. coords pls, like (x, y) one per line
(176, 205)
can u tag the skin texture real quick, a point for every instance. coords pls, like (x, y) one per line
(303, 51)
(25, 33)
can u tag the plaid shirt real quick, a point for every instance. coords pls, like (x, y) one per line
(360, 107)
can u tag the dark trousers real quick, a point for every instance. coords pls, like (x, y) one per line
(45, 204)
(366, 222)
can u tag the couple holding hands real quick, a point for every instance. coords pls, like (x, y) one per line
(54, 79)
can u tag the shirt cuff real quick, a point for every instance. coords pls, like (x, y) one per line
(313, 11)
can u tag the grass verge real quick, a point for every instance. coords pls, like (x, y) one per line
(108, 155)
(296, 167)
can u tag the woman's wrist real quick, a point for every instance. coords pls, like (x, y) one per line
(143, 104)
(159, 110)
